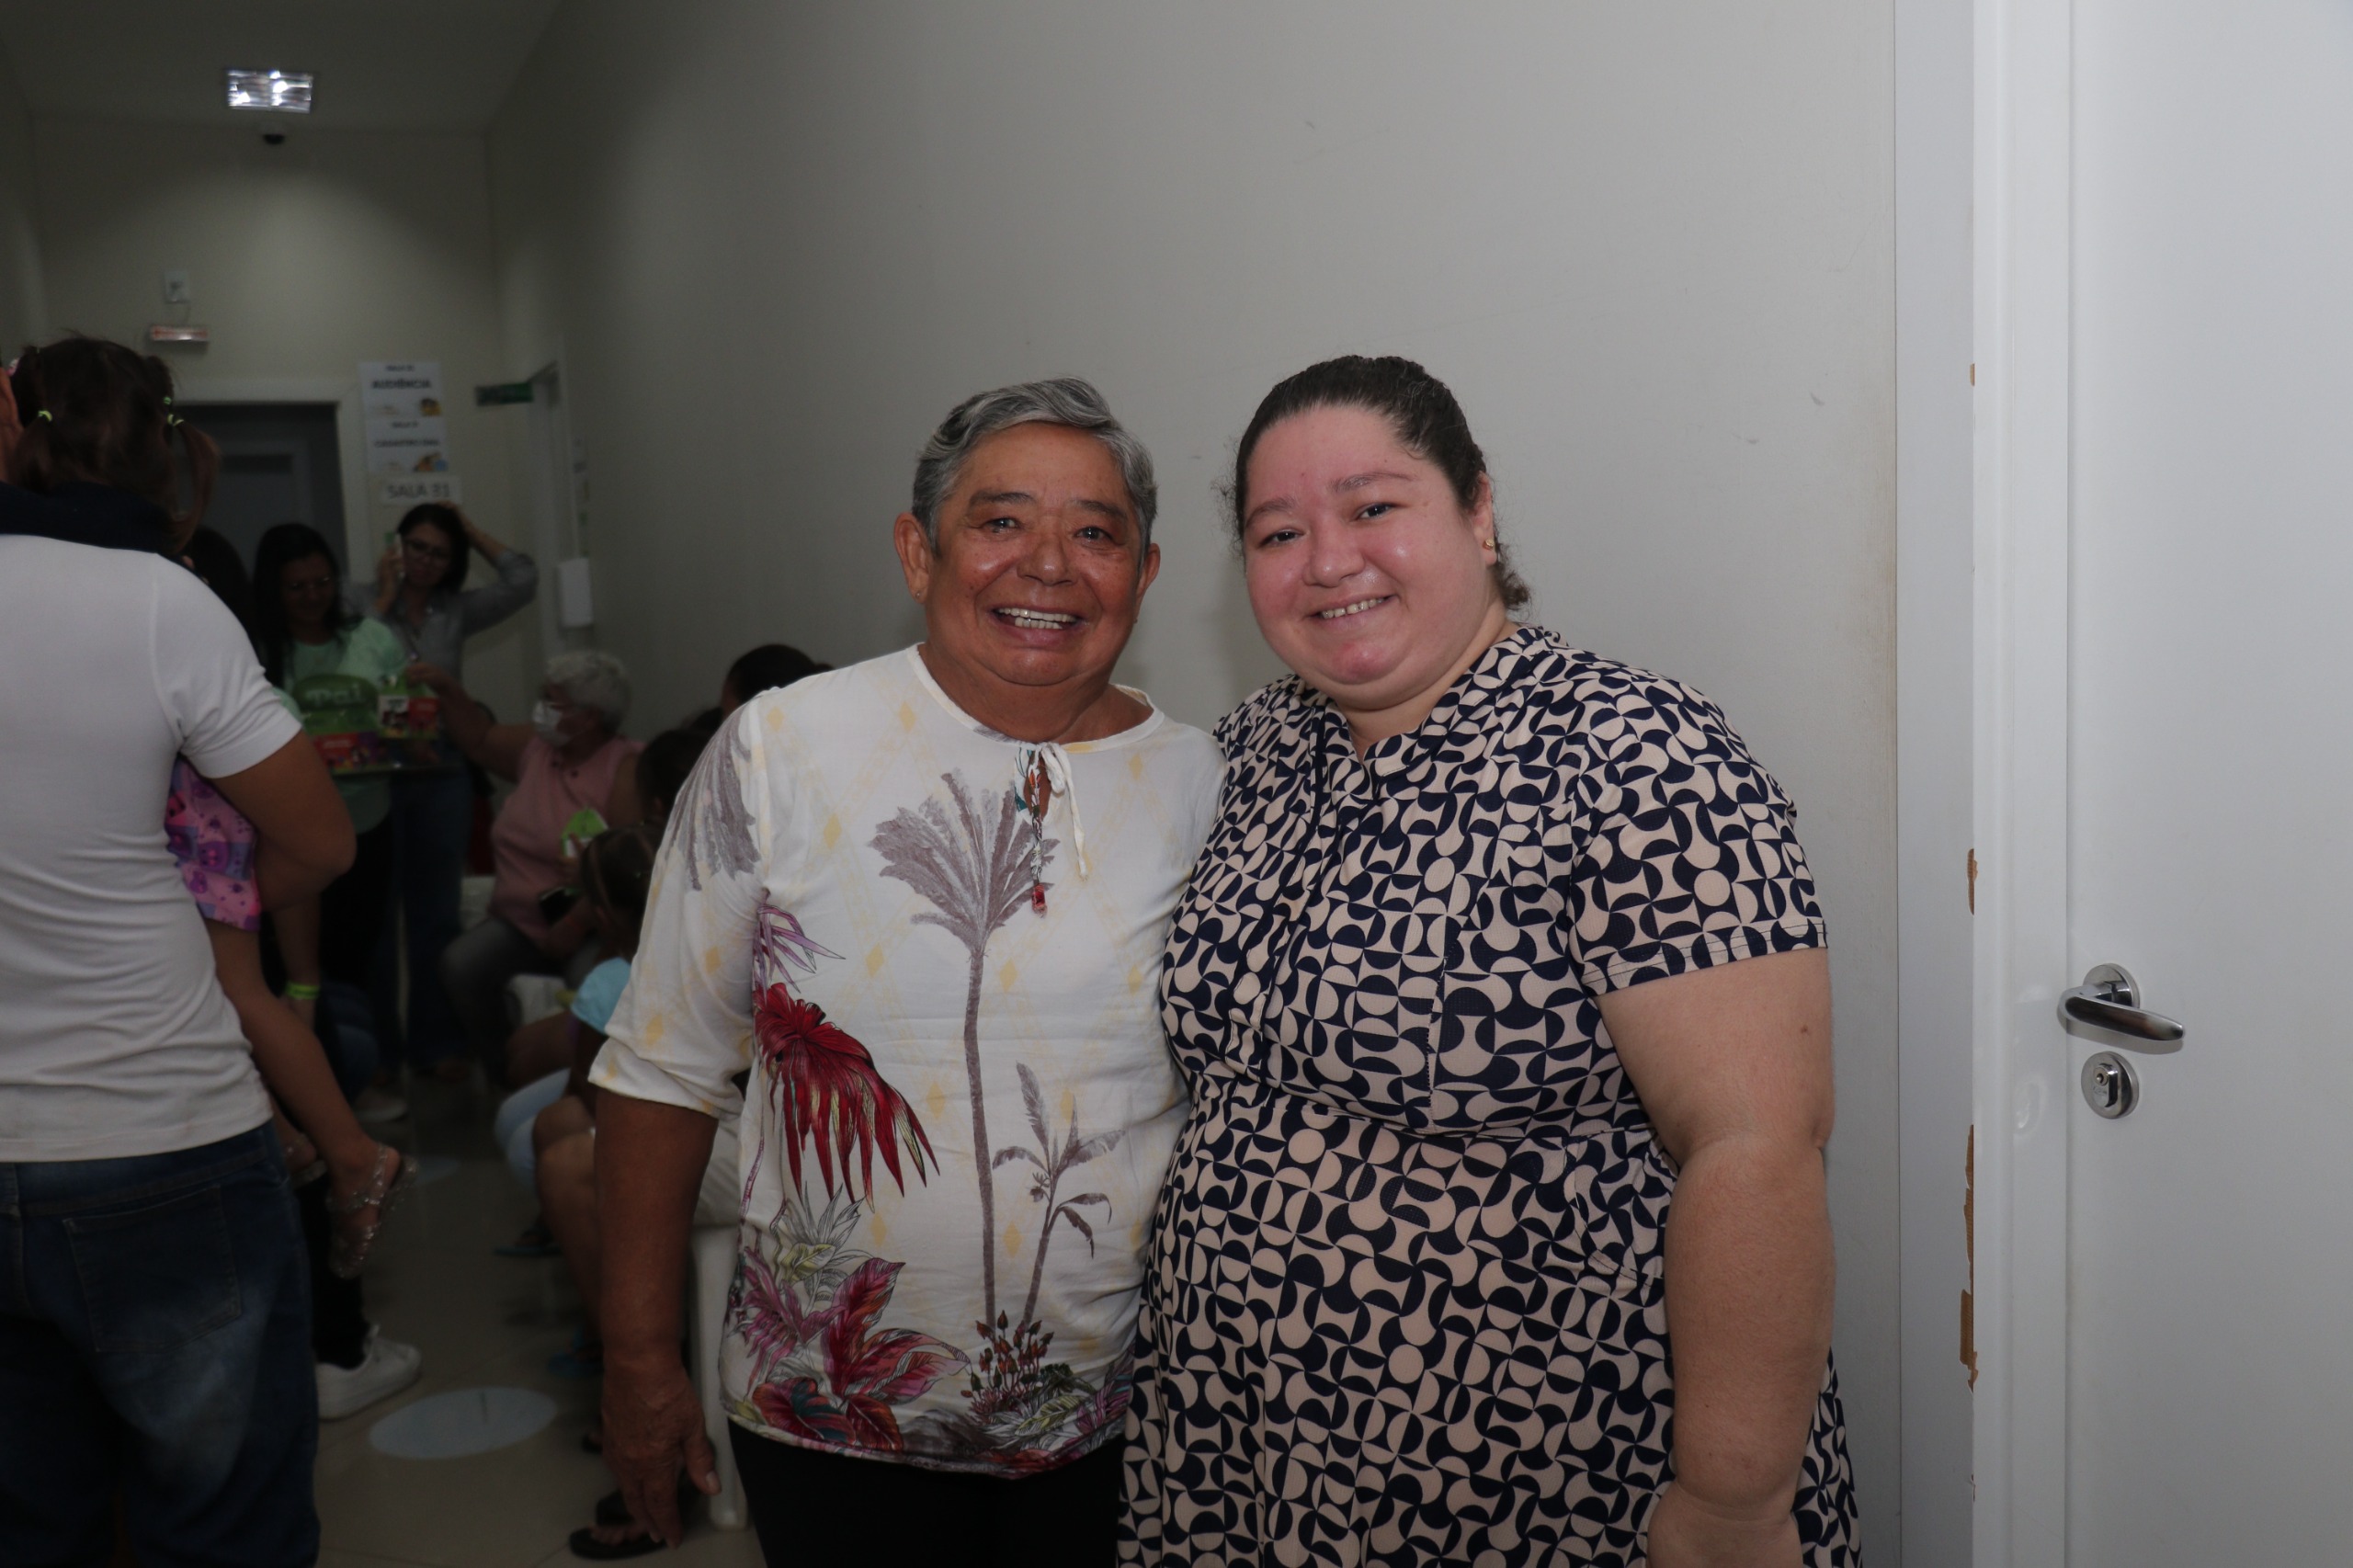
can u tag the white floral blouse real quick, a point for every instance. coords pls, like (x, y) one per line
(960, 1103)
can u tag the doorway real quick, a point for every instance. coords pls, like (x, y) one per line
(2163, 1233)
(281, 462)
(556, 476)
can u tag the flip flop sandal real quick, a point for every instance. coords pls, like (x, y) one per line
(393, 1174)
(612, 1508)
(586, 1544)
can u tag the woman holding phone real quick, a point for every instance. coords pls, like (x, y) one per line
(421, 596)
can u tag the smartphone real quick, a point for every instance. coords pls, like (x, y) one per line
(556, 902)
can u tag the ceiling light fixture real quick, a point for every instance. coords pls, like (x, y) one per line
(283, 92)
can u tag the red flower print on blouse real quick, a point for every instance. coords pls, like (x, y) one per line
(825, 1088)
(868, 1373)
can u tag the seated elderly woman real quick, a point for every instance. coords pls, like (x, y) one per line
(572, 779)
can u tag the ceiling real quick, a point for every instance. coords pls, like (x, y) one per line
(381, 64)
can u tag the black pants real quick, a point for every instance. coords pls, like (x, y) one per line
(338, 1319)
(351, 912)
(813, 1508)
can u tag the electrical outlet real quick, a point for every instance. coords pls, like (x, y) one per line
(176, 288)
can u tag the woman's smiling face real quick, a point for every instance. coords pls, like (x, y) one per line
(1367, 576)
(306, 590)
(1037, 575)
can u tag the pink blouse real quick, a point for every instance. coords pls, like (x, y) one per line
(527, 841)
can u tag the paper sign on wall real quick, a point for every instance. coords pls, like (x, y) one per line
(408, 446)
(402, 402)
(400, 388)
(416, 489)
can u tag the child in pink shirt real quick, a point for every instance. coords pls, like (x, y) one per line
(214, 845)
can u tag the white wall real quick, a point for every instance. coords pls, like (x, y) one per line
(1650, 247)
(24, 311)
(306, 259)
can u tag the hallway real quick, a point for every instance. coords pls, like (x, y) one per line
(484, 1324)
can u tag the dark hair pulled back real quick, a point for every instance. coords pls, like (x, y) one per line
(664, 765)
(768, 667)
(216, 562)
(96, 413)
(617, 872)
(281, 547)
(444, 517)
(1419, 408)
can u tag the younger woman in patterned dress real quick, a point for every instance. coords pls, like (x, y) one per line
(1498, 1235)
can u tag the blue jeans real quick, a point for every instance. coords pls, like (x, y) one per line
(155, 1339)
(432, 820)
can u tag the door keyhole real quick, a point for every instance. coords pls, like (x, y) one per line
(2110, 1086)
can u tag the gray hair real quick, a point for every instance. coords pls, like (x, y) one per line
(1065, 401)
(591, 680)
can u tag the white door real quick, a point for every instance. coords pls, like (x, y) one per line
(2209, 782)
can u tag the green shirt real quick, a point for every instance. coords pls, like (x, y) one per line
(367, 649)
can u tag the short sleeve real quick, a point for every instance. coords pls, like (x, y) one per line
(1689, 859)
(682, 1028)
(207, 680)
(592, 1003)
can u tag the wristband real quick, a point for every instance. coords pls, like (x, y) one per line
(298, 992)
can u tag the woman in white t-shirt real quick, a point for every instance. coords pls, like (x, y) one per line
(155, 1321)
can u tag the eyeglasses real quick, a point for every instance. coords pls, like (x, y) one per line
(425, 551)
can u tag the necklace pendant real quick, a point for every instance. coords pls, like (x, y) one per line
(1038, 897)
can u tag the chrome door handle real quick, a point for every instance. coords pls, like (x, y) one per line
(2107, 999)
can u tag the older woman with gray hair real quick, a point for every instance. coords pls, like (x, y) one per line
(921, 900)
(572, 771)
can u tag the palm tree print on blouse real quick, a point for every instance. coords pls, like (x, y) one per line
(808, 1306)
(972, 869)
(1052, 1164)
(977, 862)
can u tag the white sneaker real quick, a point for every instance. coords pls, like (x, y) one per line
(388, 1368)
(375, 1107)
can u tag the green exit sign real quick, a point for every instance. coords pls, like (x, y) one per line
(503, 392)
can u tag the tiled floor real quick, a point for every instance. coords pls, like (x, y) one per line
(481, 1320)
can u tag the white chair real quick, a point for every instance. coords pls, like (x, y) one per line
(531, 998)
(710, 1268)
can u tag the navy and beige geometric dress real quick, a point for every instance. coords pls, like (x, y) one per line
(1404, 1303)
